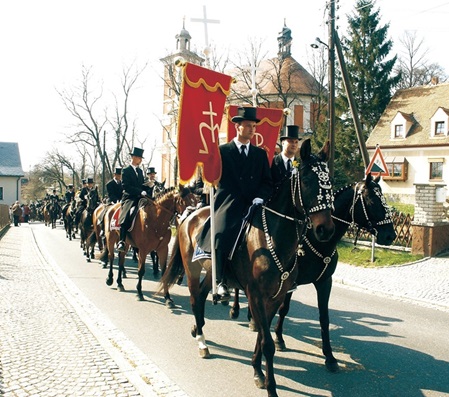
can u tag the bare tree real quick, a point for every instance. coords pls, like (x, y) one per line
(414, 64)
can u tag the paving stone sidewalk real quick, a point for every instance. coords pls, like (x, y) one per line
(53, 341)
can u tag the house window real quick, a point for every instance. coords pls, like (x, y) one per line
(439, 128)
(397, 168)
(399, 131)
(436, 170)
(1, 193)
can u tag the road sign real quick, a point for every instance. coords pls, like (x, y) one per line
(377, 165)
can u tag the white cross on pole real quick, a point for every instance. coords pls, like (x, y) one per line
(254, 90)
(205, 21)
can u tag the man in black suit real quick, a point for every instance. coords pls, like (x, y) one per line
(114, 187)
(245, 180)
(133, 190)
(283, 162)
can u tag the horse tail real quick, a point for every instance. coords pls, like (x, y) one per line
(173, 270)
(91, 239)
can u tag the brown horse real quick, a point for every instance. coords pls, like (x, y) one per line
(359, 206)
(151, 232)
(86, 225)
(263, 265)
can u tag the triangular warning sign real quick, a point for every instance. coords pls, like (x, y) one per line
(377, 165)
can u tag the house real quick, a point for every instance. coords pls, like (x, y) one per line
(11, 173)
(413, 136)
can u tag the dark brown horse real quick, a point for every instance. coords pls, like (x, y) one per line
(86, 226)
(151, 232)
(263, 266)
(68, 216)
(361, 206)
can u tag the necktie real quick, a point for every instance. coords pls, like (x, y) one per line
(289, 165)
(243, 151)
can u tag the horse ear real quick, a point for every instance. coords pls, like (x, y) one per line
(305, 149)
(324, 153)
(368, 179)
(377, 179)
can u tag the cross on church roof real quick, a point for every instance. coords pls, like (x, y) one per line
(205, 21)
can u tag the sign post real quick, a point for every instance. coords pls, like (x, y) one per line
(377, 165)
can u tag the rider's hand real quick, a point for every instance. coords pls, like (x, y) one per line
(258, 201)
(144, 193)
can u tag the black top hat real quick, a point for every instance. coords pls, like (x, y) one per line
(83, 181)
(90, 180)
(138, 152)
(291, 132)
(151, 170)
(118, 171)
(70, 186)
(245, 113)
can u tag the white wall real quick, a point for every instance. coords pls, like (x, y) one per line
(11, 189)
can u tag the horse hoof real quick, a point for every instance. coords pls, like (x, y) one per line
(124, 275)
(88, 259)
(105, 265)
(193, 331)
(204, 353)
(169, 304)
(120, 288)
(109, 281)
(259, 381)
(252, 326)
(225, 303)
(332, 367)
(140, 298)
(280, 346)
(234, 313)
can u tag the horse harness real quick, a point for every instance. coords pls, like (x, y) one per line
(325, 201)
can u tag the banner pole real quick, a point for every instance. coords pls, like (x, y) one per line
(212, 243)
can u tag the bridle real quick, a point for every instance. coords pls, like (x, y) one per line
(325, 201)
(370, 226)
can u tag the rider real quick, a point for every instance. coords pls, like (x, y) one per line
(133, 190)
(114, 187)
(87, 187)
(245, 180)
(283, 162)
(150, 181)
(70, 194)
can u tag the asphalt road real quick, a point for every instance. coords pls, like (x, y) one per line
(386, 347)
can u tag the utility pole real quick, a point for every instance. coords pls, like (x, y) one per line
(331, 77)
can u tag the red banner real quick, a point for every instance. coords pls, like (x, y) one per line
(267, 131)
(203, 96)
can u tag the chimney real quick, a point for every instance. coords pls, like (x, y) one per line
(435, 80)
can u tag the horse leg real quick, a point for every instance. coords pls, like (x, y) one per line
(278, 329)
(264, 345)
(121, 267)
(110, 258)
(234, 312)
(323, 289)
(198, 296)
(155, 260)
(141, 272)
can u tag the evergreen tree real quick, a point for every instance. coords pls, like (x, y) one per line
(366, 53)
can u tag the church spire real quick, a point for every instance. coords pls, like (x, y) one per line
(285, 42)
(183, 38)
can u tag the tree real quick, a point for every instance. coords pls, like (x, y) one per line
(414, 66)
(366, 52)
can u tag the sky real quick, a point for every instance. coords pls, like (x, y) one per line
(45, 44)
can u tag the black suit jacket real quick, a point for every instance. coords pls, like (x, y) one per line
(132, 188)
(278, 170)
(115, 190)
(242, 180)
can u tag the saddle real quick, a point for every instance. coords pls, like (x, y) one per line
(115, 225)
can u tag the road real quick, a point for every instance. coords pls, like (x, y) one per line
(386, 347)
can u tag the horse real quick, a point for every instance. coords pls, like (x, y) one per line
(86, 226)
(51, 213)
(360, 205)
(264, 264)
(68, 216)
(151, 232)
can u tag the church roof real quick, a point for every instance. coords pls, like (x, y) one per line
(10, 164)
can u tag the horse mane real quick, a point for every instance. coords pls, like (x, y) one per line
(344, 189)
(163, 195)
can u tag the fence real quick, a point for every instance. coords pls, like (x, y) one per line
(5, 219)
(402, 225)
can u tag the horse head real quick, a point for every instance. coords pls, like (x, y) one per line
(370, 210)
(186, 198)
(92, 198)
(314, 196)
